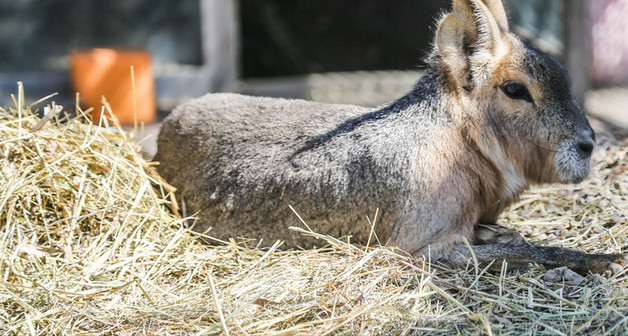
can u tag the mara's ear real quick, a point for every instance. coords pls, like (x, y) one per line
(470, 38)
(499, 13)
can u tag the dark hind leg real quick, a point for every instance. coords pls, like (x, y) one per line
(519, 256)
(495, 243)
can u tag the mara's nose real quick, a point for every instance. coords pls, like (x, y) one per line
(585, 148)
(586, 144)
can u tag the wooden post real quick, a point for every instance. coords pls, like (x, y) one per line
(578, 46)
(219, 31)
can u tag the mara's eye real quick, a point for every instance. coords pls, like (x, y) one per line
(517, 91)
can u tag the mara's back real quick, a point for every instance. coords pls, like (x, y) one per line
(330, 162)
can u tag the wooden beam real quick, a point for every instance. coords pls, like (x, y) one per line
(578, 46)
(219, 31)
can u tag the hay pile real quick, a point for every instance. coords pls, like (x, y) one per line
(89, 245)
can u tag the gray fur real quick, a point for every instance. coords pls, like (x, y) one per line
(332, 163)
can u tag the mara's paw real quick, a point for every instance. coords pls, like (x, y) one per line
(618, 265)
(496, 234)
(613, 264)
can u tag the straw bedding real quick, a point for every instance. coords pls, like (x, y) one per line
(90, 244)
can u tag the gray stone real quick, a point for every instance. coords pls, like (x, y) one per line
(563, 274)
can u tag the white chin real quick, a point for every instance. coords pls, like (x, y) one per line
(577, 179)
(570, 166)
(568, 177)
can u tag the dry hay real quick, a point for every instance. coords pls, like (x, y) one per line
(89, 245)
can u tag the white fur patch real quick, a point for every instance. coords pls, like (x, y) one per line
(514, 180)
(569, 164)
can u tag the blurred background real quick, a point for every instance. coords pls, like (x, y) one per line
(350, 51)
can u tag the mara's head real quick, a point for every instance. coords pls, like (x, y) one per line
(515, 99)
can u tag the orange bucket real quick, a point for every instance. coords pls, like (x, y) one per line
(107, 72)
